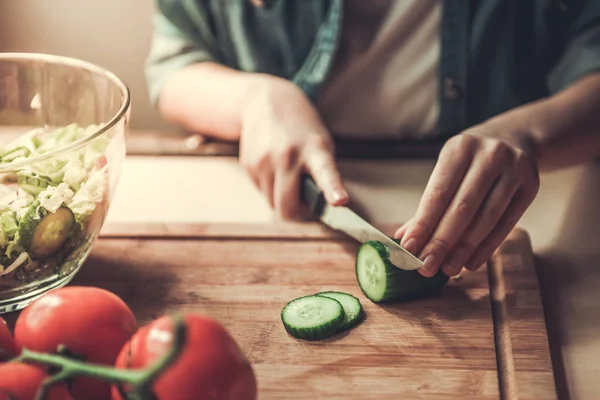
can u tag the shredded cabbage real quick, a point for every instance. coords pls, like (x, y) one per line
(74, 180)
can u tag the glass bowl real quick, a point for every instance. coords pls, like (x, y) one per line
(63, 128)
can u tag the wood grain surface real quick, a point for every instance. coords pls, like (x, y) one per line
(446, 347)
(515, 289)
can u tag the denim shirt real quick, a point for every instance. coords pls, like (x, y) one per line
(495, 54)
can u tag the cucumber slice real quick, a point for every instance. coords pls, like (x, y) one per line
(381, 281)
(312, 317)
(353, 311)
(41, 233)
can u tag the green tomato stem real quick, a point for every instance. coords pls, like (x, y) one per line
(139, 382)
(80, 368)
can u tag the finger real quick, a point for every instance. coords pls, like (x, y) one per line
(402, 230)
(321, 165)
(459, 214)
(486, 218)
(445, 179)
(500, 232)
(258, 170)
(266, 180)
(286, 195)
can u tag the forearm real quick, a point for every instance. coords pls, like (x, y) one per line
(564, 129)
(209, 98)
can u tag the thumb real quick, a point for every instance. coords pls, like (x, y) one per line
(320, 163)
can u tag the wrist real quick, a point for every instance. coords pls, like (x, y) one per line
(510, 131)
(261, 89)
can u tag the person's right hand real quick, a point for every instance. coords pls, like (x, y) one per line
(283, 137)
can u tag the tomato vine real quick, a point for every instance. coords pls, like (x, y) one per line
(132, 384)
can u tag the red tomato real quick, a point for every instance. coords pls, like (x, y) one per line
(210, 367)
(101, 162)
(94, 222)
(89, 321)
(22, 381)
(8, 348)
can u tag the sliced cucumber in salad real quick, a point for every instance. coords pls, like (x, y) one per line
(43, 234)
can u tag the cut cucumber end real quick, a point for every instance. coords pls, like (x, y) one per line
(381, 281)
(312, 317)
(353, 310)
(371, 272)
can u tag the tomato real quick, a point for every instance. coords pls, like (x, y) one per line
(90, 322)
(8, 348)
(211, 365)
(101, 162)
(21, 382)
(94, 222)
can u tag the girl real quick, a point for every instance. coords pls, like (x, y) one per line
(510, 86)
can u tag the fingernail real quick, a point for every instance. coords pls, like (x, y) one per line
(429, 264)
(411, 246)
(450, 270)
(338, 195)
(474, 266)
(446, 269)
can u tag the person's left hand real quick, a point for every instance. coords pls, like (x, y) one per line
(480, 187)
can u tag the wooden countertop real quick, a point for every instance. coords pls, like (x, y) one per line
(564, 224)
(482, 337)
(564, 221)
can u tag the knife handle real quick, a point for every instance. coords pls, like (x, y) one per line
(312, 196)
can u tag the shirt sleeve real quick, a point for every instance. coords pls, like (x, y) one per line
(582, 53)
(170, 50)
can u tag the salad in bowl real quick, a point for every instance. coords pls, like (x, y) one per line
(47, 209)
(56, 178)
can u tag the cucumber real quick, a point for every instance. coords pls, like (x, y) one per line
(353, 311)
(42, 233)
(381, 281)
(312, 317)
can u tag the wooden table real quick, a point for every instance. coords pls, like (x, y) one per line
(484, 337)
(563, 222)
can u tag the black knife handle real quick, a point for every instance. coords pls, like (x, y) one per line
(312, 196)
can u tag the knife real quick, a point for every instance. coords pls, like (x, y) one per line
(343, 219)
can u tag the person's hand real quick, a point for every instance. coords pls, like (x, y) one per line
(282, 138)
(482, 184)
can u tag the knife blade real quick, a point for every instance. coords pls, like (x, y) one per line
(343, 219)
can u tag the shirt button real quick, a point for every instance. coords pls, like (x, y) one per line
(451, 89)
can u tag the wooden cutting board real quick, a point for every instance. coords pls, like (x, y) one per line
(468, 343)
